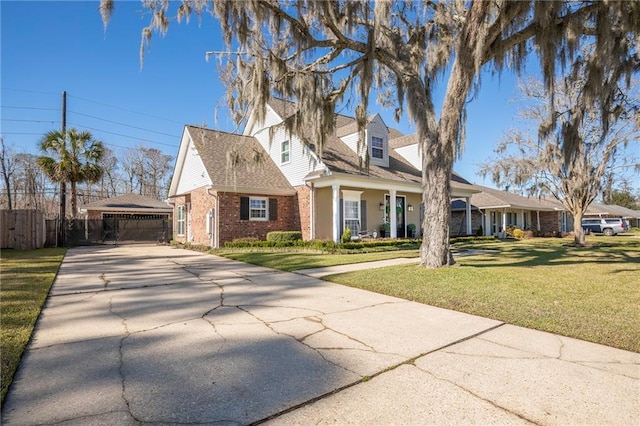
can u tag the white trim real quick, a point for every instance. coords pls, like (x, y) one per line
(266, 209)
(288, 152)
(178, 220)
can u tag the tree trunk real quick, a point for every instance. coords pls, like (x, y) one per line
(578, 233)
(434, 251)
(438, 158)
(74, 200)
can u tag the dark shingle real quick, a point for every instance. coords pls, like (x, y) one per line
(233, 160)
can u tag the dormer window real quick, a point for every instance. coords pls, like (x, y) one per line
(377, 147)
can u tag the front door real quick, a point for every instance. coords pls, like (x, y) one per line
(400, 214)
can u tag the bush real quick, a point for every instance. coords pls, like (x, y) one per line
(280, 236)
(471, 239)
(346, 236)
(518, 233)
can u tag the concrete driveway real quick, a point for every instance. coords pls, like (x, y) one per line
(147, 334)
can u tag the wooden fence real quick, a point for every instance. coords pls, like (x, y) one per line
(22, 229)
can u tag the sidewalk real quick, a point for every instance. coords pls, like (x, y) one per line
(159, 335)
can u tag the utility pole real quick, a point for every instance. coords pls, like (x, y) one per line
(63, 185)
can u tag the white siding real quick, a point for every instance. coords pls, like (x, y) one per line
(411, 153)
(351, 141)
(378, 129)
(271, 119)
(301, 161)
(193, 174)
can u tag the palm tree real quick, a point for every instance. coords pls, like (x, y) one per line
(73, 157)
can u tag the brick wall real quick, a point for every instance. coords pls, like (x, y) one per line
(458, 225)
(549, 221)
(232, 227)
(304, 215)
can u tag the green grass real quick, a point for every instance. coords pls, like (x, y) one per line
(26, 279)
(292, 261)
(590, 293)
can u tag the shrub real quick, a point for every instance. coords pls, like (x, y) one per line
(518, 233)
(346, 235)
(280, 236)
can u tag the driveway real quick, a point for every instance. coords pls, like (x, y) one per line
(151, 334)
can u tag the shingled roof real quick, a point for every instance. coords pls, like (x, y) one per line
(338, 157)
(237, 161)
(128, 202)
(495, 198)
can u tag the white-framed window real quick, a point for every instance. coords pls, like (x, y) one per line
(285, 152)
(351, 210)
(181, 219)
(258, 208)
(377, 147)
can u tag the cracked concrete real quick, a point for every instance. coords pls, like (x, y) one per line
(157, 335)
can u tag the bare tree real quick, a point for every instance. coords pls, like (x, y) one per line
(541, 165)
(317, 52)
(156, 166)
(133, 166)
(8, 168)
(31, 183)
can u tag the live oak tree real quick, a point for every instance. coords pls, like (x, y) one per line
(321, 53)
(539, 164)
(71, 157)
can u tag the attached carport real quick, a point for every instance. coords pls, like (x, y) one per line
(129, 218)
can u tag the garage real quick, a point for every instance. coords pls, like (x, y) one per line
(127, 219)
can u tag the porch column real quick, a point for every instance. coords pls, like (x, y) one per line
(487, 223)
(393, 214)
(538, 220)
(336, 213)
(504, 220)
(468, 204)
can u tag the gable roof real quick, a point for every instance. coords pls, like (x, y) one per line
(339, 158)
(128, 202)
(596, 209)
(495, 198)
(237, 163)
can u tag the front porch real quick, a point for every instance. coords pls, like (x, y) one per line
(376, 210)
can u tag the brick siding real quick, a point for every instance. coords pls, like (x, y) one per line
(230, 225)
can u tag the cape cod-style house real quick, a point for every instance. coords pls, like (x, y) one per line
(228, 186)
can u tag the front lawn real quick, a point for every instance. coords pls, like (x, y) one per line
(26, 279)
(587, 293)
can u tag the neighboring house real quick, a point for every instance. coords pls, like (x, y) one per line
(129, 217)
(228, 186)
(612, 210)
(494, 210)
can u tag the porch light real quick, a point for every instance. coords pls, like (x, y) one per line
(410, 207)
(381, 206)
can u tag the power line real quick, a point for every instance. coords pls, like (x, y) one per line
(122, 135)
(125, 109)
(34, 108)
(30, 121)
(123, 124)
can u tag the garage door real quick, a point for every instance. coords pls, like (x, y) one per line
(131, 228)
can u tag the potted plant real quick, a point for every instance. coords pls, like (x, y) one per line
(411, 229)
(384, 230)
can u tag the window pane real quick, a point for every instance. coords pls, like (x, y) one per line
(257, 208)
(284, 152)
(377, 147)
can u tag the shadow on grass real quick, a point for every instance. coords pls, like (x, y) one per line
(512, 255)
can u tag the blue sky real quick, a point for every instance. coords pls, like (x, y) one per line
(49, 47)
